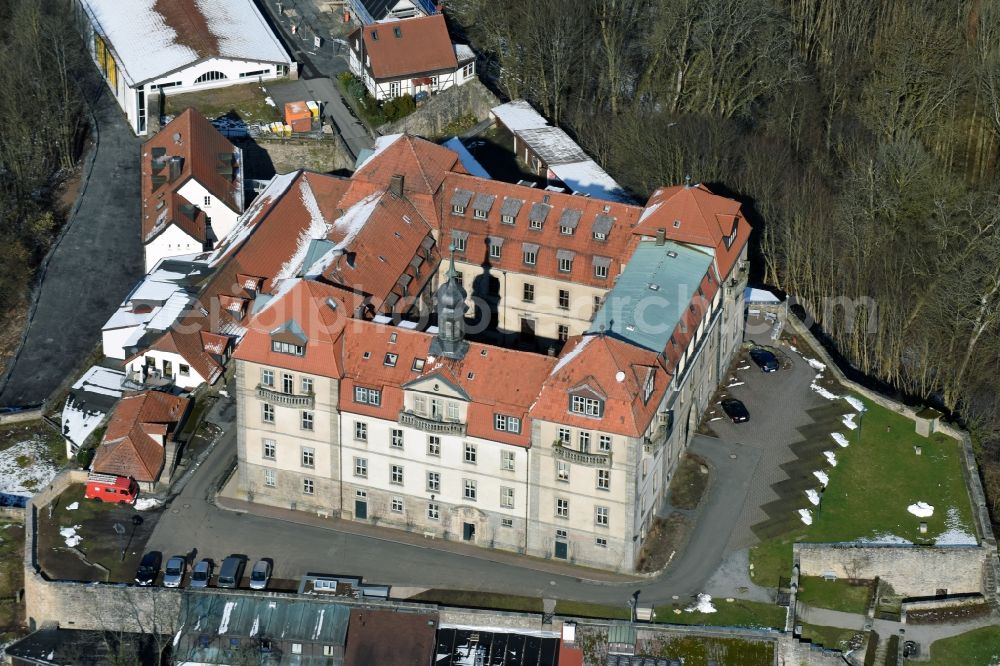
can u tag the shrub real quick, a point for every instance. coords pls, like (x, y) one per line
(84, 457)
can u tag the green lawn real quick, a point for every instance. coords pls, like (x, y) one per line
(834, 638)
(738, 613)
(248, 101)
(706, 651)
(836, 595)
(976, 648)
(876, 478)
(11, 578)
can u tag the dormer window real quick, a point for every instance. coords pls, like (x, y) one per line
(650, 386)
(459, 201)
(479, 214)
(579, 404)
(458, 210)
(390, 359)
(507, 219)
(288, 348)
(418, 365)
(568, 221)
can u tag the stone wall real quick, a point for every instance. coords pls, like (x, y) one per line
(913, 571)
(939, 604)
(430, 120)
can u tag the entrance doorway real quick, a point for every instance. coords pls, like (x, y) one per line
(468, 532)
(562, 550)
(361, 509)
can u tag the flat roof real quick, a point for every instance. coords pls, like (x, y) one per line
(652, 293)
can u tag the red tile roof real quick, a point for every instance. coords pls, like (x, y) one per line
(582, 213)
(398, 49)
(610, 368)
(688, 326)
(131, 445)
(199, 145)
(422, 164)
(694, 214)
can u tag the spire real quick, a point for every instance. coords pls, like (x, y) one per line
(452, 273)
(450, 339)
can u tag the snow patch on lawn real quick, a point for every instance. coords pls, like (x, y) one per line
(16, 479)
(806, 516)
(736, 384)
(885, 539)
(855, 403)
(921, 510)
(822, 476)
(849, 421)
(703, 605)
(146, 503)
(816, 365)
(822, 391)
(813, 496)
(955, 534)
(840, 439)
(831, 458)
(70, 536)
(73, 507)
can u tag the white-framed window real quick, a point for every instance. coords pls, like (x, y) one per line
(308, 487)
(566, 231)
(530, 256)
(287, 348)
(534, 224)
(506, 219)
(469, 70)
(361, 467)
(601, 542)
(564, 299)
(287, 383)
(565, 436)
(451, 410)
(604, 479)
(329, 651)
(495, 250)
(184, 369)
(207, 201)
(584, 439)
(604, 443)
(396, 438)
(394, 89)
(469, 489)
(458, 210)
(470, 453)
(433, 445)
(361, 431)
(420, 405)
(601, 516)
(507, 461)
(458, 242)
(433, 511)
(599, 236)
(367, 396)
(565, 265)
(396, 505)
(296, 648)
(562, 507)
(528, 295)
(433, 482)
(307, 421)
(586, 406)
(479, 213)
(270, 477)
(562, 332)
(307, 385)
(505, 423)
(390, 359)
(600, 271)
(270, 449)
(506, 522)
(561, 534)
(266, 377)
(396, 475)
(308, 456)
(562, 471)
(267, 412)
(506, 497)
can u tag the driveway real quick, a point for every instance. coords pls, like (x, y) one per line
(334, 108)
(95, 264)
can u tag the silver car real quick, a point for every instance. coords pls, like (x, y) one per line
(173, 573)
(202, 573)
(260, 575)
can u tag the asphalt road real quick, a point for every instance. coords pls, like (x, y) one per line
(97, 261)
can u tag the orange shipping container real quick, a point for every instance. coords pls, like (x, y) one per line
(297, 111)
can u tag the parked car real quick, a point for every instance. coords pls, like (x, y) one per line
(231, 571)
(111, 488)
(149, 568)
(735, 410)
(202, 573)
(764, 359)
(173, 573)
(260, 575)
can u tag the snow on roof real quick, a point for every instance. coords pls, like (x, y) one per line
(152, 39)
(552, 145)
(587, 177)
(101, 380)
(518, 115)
(89, 401)
(754, 295)
(470, 163)
(573, 353)
(347, 227)
(170, 312)
(251, 216)
(317, 229)
(381, 143)
(464, 52)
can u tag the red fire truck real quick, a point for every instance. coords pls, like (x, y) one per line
(112, 488)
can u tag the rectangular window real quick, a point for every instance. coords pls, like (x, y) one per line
(506, 423)
(433, 445)
(478, 214)
(469, 489)
(506, 497)
(564, 299)
(469, 70)
(267, 413)
(470, 453)
(584, 442)
(396, 505)
(586, 406)
(308, 456)
(208, 201)
(396, 440)
(184, 369)
(562, 471)
(458, 242)
(507, 219)
(361, 431)
(565, 265)
(266, 377)
(361, 467)
(600, 272)
(270, 449)
(561, 534)
(329, 651)
(367, 396)
(604, 479)
(420, 405)
(534, 224)
(495, 250)
(307, 385)
(563, 333)
(507, 461)
(565, 436)
(433, 482)
(604, 443)
(307, 420)
(601, 516)
(433, 511)
(308, 487)
(599, 236)
(566, 231)
(562, 508)
(452, 411)
(418, 365)
(390, 359)
(529, 293)
(601, 542)
(597, 305)
(287, 348)
(396, 475)
(270, 478)
(458, 210)
(530, 257)
(506, 522)
(296, 648)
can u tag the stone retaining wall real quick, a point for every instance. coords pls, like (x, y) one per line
(472, 98)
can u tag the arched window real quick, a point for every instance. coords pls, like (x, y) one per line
(210, 76)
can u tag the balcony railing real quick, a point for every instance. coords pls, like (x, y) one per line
(286, 399)
(431, 425)
(580, 458)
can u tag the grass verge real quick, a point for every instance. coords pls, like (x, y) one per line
(838, 595)
(247, 101)
(737, 613)
(834, 638)
(975, 648)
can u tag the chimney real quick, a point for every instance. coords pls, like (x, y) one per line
(661, 236)
(396, 185)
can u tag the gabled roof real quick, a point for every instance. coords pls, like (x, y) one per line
(202, 152)
(614, 370)
(422, 164)
(153, 38)
(694, 214)
(131, 444)
(396, 49)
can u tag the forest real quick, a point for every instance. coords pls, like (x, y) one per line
(861, 135)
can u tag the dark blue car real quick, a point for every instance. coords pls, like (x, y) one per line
(764, 359)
